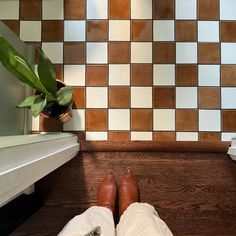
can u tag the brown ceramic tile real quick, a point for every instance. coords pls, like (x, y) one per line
(119, 9)
(74, 9)
(164, 136)
(81, 135)
(208, 9)
(186, 31)
(164, 97)
(141, 74)
(119, 52)
(97, 75)
(228, 75)
(49, 125)
(186, 75)
(209, 97)
(37, 46)
(74, 53)
(30, 9)
(13, 25)
(59, 71)
(186, 120)
(228, 31)
(118, 136)
(97, 30)
(209, 137)
(96, 119)
(141, 119)
(52, 31)
(209, 53)
(119, 97)
(78, 98)
(229, 120)
(163, 53)
(141, 30)
(163, 9)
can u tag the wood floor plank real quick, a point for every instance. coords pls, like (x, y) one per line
(195, 193)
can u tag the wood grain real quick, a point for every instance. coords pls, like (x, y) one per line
(147, 146)
(194, 193)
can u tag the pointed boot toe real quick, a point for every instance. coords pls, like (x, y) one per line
(107, 192)
(128, 190)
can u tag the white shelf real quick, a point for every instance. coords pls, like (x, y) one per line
(31, 158)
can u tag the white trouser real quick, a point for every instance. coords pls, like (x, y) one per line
(140, 219)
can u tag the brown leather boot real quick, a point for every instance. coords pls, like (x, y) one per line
(128, 190)
(107, 192)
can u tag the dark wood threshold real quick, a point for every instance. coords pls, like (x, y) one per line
(145, 146)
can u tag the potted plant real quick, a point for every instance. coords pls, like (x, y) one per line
(52, 98)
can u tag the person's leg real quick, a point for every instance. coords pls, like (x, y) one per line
(141, 219)
(97, 218)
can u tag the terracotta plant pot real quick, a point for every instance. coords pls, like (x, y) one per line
(64, 115)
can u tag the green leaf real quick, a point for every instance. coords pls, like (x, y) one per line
(28, 102)
(19, 67)
(47, 74)
(38, 106)
(64, 96)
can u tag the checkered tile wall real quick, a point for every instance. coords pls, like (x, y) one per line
(141, 69)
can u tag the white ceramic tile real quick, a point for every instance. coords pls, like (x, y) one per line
(164, 30)
(53, 9)
(119, 119)
(227, 136)
(164, 119)
(228, 98)
(74, 30)
(30, 31)
(141, 9)
(96, 136)
(186, 136)
(141, 52)
(209, 120)
(186, 53)
(97, 9)
(35, 123)
(141, 97)
(9, 10)
(186, 97)
(119, 30)
(209, 75)
(228, 53)
(227, 9)
(164, 74)
(97, 53)
(119, 74)
(77, 122)
(96, 97)
(74, 75)
(186, 9)
(208, 31)
(54, 52)
(141, 136)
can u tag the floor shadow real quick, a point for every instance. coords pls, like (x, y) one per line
(64, 194)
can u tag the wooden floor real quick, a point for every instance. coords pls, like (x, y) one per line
(194, 193)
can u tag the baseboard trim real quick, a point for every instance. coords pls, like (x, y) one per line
(143, 146)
